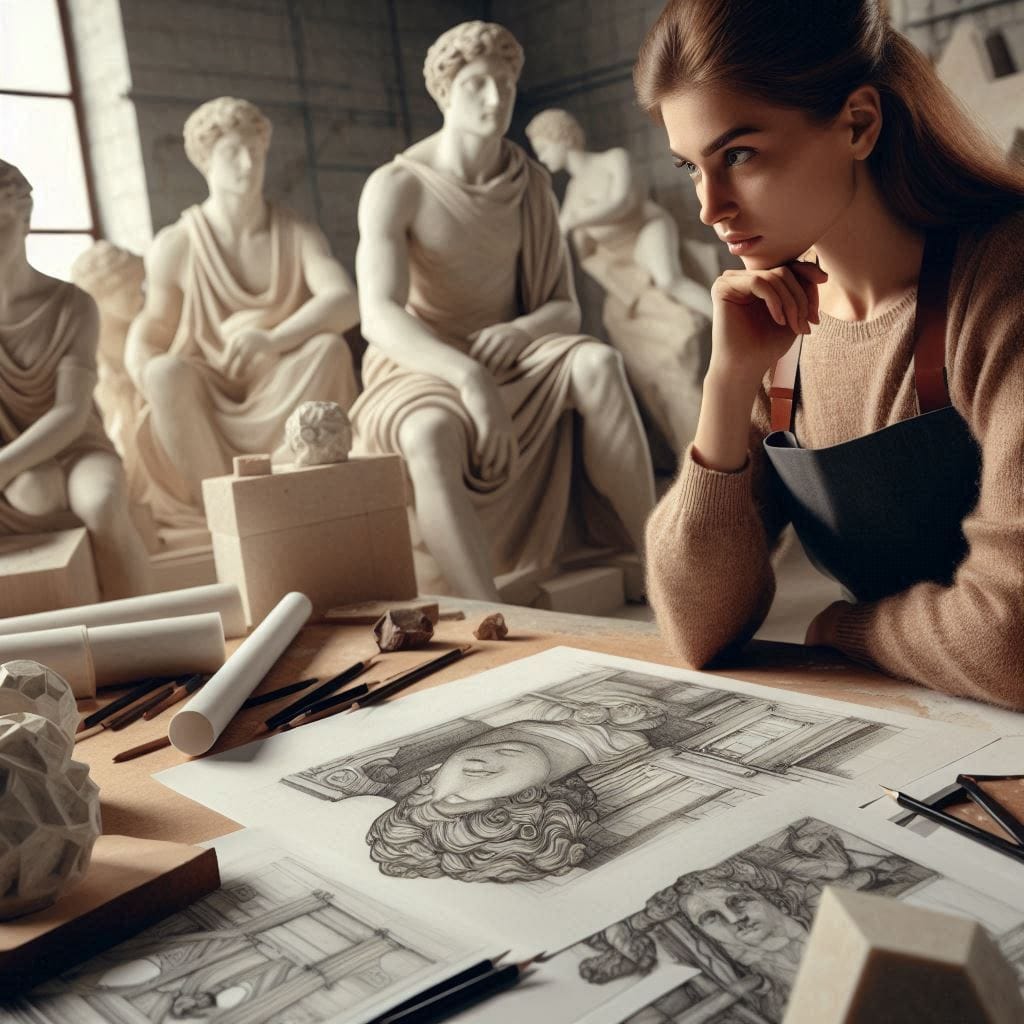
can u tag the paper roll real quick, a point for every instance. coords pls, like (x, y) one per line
(65, 651)
(196, 727)
(222, 598)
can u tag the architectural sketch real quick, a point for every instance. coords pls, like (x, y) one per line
(555, 783)
(742, 923)
(276, 944)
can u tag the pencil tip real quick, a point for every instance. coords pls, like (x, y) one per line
(890, 792)
(533, 960)
(501, 956)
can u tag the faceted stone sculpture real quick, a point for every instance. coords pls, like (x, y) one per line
(49, 807)
(31, 687)
(319, 433)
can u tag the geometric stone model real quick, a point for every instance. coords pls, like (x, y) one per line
(476, 370)
(28, 686)
(875, 960)
(654, 314)
(49, 814)
(319, 433)
(243, 321)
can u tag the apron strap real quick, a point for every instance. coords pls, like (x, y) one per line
(929, 338)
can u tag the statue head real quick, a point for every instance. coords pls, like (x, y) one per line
(15, 204)
(318, 433)
(113, 277)
(226, 140)
(471, 71)
(554, 134)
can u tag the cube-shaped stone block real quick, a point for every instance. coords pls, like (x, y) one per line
(338, 533)
(40, 572)
(875, 960)
(31, 687)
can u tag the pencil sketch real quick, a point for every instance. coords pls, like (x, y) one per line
(554, 783)
(743, 923)
(276, 944)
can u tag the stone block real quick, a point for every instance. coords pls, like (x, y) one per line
(595, 591)
(40, 572)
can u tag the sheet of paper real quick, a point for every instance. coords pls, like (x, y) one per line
(280, 940)
(724, 929)
(526, 793)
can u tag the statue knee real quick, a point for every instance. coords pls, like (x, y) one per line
(431, 439)
(100, 502)
(594, 365)
(165, 378)
(40, 491)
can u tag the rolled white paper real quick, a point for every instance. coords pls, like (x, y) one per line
(66, 651)
(223, 598)
(196, 727)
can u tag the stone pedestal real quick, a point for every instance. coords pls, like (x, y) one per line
(337, 533)
(40, 572)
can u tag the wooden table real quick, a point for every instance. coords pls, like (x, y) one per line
(135, 804)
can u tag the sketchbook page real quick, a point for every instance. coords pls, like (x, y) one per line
(281, 939)
(524, 794)
(719, 936)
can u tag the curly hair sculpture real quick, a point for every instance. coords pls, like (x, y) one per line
(557, 125)
(536, 833)
(464, 43)
(207, 123)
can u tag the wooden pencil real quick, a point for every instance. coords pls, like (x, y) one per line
(311, 698)
(181, 691)
(143, 748)
(326, 708)
(281, 691)
(136, 711)
(146, 686)
(413, 675)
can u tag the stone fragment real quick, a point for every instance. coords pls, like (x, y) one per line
(493, 627)
(402, 630)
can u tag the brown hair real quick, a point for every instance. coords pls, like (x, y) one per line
(931, 163)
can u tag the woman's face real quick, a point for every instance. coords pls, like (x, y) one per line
(475, 778)
(764, 173)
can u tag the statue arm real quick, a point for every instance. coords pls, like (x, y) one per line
(333, 306)
(62, 424)
(153, 330)
(387, 208)
(618, 197)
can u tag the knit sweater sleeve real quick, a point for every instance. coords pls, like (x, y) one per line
(709, 578)
(967, 638)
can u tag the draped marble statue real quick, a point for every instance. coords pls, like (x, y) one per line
(655, 315)
(244, 315)
(58, 468)
(475, 371)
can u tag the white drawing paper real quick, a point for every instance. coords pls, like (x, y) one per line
(279, 941)
(524, 794)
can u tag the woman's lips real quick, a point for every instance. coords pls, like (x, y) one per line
(738, 248)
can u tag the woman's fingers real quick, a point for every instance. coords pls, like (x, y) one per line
(789, 280)
(810, 276)
(779, 302)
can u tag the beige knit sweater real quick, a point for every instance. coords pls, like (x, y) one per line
(708, 541)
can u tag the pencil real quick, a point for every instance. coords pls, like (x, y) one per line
(136, 711)
(181, 691)
(325, 708)
(332, 684)
(281, 691)
(413, 675)
(451, 999)
(146, 686)
(996, 811)
(956, 825)
(143, 748)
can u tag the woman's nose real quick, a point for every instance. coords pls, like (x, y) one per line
(715, 202)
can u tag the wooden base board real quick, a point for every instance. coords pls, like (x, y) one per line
(131, 884)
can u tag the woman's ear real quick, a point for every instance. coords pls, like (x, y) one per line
(862, 116)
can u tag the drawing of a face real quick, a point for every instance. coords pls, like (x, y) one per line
(741, 920)
(473, 778)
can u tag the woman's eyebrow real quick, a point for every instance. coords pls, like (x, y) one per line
(722, 140)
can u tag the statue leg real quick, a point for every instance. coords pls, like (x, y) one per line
(182, 420)
(434, 445)
(98, 495)
(39, 491)
(615, 452)
(657, 250)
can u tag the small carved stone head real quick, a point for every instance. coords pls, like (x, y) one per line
(463, 44)
(207, 123)
(319, 433)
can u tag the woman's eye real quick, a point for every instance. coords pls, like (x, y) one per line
(735, 157)
(685, 165)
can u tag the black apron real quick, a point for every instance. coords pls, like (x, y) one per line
(885, 511)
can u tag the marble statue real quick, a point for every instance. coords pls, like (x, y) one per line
(113, 277)
(49, 807)
(655, 315)
(475, 370)
(58, 468)
(243, 320)
(319, 433)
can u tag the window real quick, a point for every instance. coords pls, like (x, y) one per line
(999, 55)
(40, 131)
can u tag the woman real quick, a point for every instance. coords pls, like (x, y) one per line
(893, 436)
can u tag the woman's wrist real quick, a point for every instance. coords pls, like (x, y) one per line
(723, 429)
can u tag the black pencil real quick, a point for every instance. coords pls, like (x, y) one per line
(321, 709)
(995, 810)
(281, 691)
(452, 999)
(307, 700)
(413, 675)
(136, 711)
(956, 825)
(124, 700)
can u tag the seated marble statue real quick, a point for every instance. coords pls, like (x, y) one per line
(655, 315)
(113, 277)
(58, 468)
(244, 315)
(475, 371)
